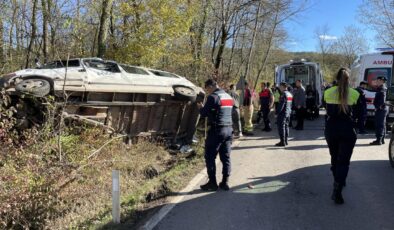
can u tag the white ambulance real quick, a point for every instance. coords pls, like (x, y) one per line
(309, 72)
(367, 68)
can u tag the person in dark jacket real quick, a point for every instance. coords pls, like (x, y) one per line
(310, 103)
(381, 111)
(339, 130)
(283, 114)
(266, 103)
(290, 88)
(218, 108)
(360, 112)
(299, 104)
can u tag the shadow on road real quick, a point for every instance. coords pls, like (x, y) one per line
(299, 199)
(250, 147)
(300, 147)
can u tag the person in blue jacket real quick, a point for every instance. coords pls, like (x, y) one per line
(218, 109)
(381, 111)
(283, 114)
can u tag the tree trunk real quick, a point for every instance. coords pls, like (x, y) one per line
(267, 53)
(11, 32)
(45, 15)
(104, 26)
(201, 31)
(214, 44)
(241, 52)
(197, 31)
(233, 45)
(112, 23)
(53, 28)
(33, 33)
(2, 60)
(247, 68)
(219, 55)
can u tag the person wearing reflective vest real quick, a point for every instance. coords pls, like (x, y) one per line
(266, 102)
(283, 114)
(218, 109)
(340, 132)
(381, 111)
(276, 97)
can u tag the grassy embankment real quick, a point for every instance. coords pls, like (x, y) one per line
(39, 189)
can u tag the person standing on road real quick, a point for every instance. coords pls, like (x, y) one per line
(299, 104)
(310, 103)
(248, 110)
(339, 130)
(266, 103)
(218, 108)
(381, 111)
(276, 97)
(361, 110)
(290, 88)
(236, 114)
(283, 114)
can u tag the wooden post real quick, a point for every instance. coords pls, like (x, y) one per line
(179, 121)
(115, 196)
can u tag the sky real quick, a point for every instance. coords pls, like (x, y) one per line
(337, 14)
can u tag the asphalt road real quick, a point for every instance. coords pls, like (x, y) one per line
(291, 188)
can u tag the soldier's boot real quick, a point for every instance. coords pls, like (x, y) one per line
(337, 194)
(376, 142)
(286, 142)
(281, 143)
(224, 184)
(210, 186)
(268, 128)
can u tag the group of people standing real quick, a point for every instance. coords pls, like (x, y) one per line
(269, 99)
(344, 107)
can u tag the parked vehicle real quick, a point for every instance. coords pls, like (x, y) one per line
(367, 68)
(133, 100)
(309, 72)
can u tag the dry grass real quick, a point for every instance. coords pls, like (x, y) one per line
(43, 189)
(148, 173)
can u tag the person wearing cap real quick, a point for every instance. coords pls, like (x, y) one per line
(218, 109)
(381, 111)
(360, 112)
(283, 114)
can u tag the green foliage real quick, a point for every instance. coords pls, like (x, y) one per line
(153, 32)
